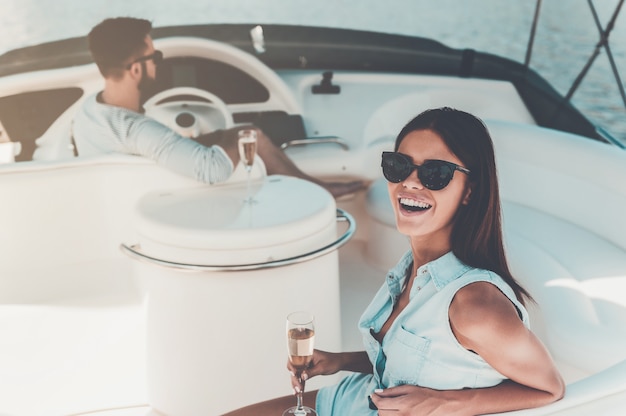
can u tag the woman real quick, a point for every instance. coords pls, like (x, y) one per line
(447, 334)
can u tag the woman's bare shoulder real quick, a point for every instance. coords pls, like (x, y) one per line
(480, 311)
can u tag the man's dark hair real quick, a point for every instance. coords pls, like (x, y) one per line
(115, 42)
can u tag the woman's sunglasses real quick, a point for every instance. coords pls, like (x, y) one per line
(433, 174)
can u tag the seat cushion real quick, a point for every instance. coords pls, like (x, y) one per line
(378, 205)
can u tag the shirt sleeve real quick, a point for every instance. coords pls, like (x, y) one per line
(153, 140)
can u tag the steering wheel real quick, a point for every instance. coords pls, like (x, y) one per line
(189, 111)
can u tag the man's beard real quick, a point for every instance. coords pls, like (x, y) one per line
(146, 85)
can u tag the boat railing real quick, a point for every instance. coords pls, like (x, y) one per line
(609, 137)
(134, 251)
(316, 140)
(603, 43)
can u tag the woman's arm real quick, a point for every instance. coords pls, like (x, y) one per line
(327, 363)
(485, 321)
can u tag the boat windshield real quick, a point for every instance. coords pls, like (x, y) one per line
(567, 33)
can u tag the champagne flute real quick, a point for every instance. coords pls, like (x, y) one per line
(247, 151)
(300, 344)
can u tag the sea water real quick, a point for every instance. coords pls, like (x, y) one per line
(566, 34)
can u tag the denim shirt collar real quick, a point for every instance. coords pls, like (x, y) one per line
(442, 271)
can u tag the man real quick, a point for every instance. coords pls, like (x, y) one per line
(112, 120)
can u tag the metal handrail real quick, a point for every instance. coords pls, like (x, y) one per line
(533, 31)
(316, 140)
(603, 42)
(134, 253)
(609, 137)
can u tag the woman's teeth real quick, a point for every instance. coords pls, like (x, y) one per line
(413, 205)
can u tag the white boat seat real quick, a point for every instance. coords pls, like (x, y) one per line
(385, 245)
(578, 279)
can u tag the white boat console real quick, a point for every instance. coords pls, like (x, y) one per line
(207, 261)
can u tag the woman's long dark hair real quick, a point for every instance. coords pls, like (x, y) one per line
(477, 229)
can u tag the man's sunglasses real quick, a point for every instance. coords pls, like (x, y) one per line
(433, 174)
(156, 57)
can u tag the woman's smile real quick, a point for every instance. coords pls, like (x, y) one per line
(411, 205)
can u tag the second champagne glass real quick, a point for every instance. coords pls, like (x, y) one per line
(247, 151)
(300, 344)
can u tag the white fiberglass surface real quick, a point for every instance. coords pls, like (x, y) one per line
(289, 217)
(72, 356)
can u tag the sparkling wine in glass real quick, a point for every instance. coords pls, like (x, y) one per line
(300, 344)
(247, 151)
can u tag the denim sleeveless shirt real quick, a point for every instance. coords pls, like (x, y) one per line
(419, 347)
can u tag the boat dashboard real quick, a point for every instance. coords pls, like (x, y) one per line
(233, 85)
(193, 89)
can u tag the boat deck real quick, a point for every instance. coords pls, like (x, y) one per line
(72, 356)
(83, 348)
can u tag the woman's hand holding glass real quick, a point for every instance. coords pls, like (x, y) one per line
(325, 363)
(322, 364)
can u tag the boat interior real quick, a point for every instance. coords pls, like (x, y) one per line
(79, 314)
